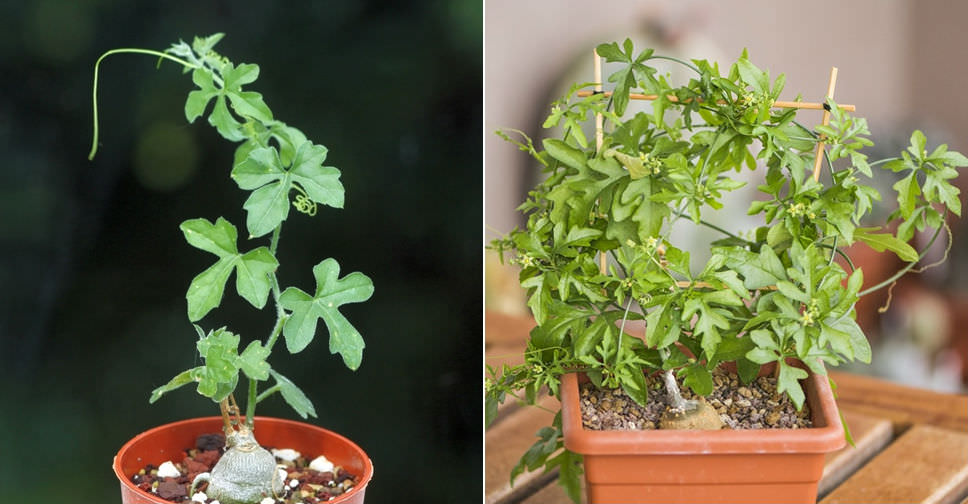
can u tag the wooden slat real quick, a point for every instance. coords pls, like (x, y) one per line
(928, 465)
(505, 442)
(870, 435)
(904, 406)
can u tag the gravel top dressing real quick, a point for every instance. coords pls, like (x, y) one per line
(753, 406)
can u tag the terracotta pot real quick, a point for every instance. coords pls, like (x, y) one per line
(168, 442)
(763, 465)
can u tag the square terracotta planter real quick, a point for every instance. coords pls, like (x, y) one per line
(749, 466)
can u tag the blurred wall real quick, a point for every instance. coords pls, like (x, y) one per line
(900, 62)
(528, 45)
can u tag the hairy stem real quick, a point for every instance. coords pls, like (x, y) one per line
(281, 317)
(250, 403)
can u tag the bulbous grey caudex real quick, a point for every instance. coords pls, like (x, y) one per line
(246, 474)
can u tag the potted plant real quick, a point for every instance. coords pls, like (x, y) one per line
(281, 168)
(776, 302)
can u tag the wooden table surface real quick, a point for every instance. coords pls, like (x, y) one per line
(911, 444)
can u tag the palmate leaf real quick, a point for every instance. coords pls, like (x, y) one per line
(758, 270)
(270, 180)
(252, 269)
(331, 293)
(246, 104)
(218, 377)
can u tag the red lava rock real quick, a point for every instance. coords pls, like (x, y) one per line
(319, 478)
(207, 442)
(208, 457)
(171, 490)
(194, 468)
(343, 476)
(196, 461)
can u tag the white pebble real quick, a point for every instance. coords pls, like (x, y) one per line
(199, 497)
(293, 483)
(321, 464)
(268, 500)
(287, 454)
(168, 470)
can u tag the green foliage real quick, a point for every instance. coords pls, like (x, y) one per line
(769, 295)
(281, 167)
(252, 269)
(331, 293)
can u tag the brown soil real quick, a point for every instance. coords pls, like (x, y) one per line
(310, 486)
(753, 406)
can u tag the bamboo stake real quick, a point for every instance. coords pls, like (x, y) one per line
(826, 120)
(674, 99)
(599, 140)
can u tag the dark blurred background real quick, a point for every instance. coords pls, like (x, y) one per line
(94, 268)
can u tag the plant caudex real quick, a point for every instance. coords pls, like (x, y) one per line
(273, 161)
(764, 296)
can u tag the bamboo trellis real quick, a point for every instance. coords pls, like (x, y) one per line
(599, 119)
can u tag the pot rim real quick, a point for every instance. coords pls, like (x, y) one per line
(126, 480)
(826, 435)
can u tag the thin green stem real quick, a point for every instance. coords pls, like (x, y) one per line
(97, 66)
(882, 161)
(250, 403)
(721, 230)
(677, 60)
(907, 268)
(268, 392)
(281, 315)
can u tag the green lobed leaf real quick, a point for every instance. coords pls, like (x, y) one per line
(566, 154)
(908, 191)
(263, 170)
(252, 269)
(224, 123)
(259, 167)
(267, 207)
(294, 396)
(202, 45)
(886, 241)
(569, 473)
(548, 442)
(758, 270)
(220, 374)
(206, 289)
(181, 379)
(331, 293)
(788, 381)
(634, 384)
(198, 99)
(252, 361)
(252, 272)
(698, 378)
(320, 182)
(663, 325)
